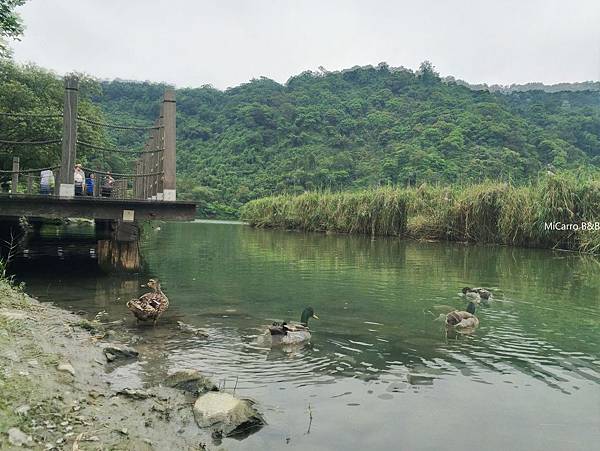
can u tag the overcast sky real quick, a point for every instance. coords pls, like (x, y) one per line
(228, 42)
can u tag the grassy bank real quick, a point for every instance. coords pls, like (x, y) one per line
(497, 213)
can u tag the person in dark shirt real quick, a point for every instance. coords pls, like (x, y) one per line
(107, 186)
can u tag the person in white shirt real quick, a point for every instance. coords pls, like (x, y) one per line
(46, 182)
(79, 179)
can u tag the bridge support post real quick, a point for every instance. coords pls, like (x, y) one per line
(169, 163)
(160, 179)
(69, 139)
(150, 165)
(15, 176)
(154, 164)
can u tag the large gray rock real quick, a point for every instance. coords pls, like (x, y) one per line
(226, 414)
(16, 437)
(191, 381)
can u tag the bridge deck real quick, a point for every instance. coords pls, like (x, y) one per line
(35, 206)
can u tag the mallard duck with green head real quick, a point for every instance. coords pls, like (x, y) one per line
(461, 319)
(149, 306)
(284, 333)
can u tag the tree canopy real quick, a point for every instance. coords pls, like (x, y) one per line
(26, 90)
(11, 25)
(361, 127)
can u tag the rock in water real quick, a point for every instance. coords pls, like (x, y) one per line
(191, 381)
(114, 352)
(227, 414)
(17, 437)
(191, 329)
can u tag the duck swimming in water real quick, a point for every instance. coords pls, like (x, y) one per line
(461, 319)
(477, 293)
(284, 333)
(149, 306)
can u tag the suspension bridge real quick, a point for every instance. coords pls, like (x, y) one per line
(148, 192)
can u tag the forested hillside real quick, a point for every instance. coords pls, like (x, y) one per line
(329, 130)
(362, 127)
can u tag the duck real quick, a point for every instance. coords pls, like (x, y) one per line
(149, 306)
(477, 293)
(461, 319)
(284, 333)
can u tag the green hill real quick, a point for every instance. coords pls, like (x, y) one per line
(362, 127)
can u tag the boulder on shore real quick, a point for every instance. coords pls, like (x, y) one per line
(17, 437)
(191, 381)
(226, 414)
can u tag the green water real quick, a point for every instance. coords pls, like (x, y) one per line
(380, 373)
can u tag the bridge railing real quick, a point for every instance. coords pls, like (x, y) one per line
(24, 181)
(153, 166)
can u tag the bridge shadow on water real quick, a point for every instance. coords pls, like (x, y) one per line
(77, 248)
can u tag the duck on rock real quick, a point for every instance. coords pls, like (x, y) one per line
(284, 333)
(150, 306)
(461, 319)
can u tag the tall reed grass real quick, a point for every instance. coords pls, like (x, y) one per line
(489, 212)
(374, 212)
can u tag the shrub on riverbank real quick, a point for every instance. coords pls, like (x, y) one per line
(489, 212)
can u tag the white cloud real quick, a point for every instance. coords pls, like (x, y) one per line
(228, 42)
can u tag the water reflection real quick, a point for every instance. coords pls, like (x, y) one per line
(79, 246)
(377, 341)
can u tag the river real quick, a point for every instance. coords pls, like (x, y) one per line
(380, 373)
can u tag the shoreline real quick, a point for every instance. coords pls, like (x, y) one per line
(557, 212)
(54, 393)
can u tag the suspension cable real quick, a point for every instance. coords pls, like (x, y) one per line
(32, 143)
(118, 127)
(114, 149)
(25, 171)
(116, 174)
(38, 115)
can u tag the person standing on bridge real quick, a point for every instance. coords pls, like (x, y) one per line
(79, 179)
(46, 182)
(107, 186)
(89, 184)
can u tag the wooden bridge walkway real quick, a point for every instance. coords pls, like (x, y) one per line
(148, 192)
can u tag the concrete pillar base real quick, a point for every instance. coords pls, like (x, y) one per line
(170, 195)
(66, 190)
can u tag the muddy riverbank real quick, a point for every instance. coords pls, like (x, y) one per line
(54, 393)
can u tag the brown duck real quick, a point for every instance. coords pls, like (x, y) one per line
(149, 306)
(461, 319)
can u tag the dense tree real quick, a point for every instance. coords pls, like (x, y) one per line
(361, 127)
(11, 26)
(29, 89)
